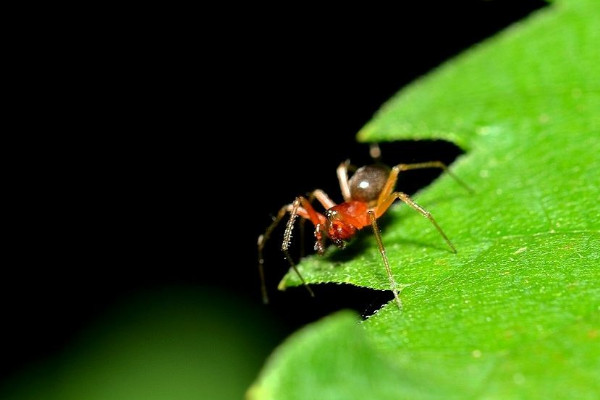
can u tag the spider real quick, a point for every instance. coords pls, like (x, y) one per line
(367, 194)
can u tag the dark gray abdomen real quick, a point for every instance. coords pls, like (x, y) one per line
(367, 182)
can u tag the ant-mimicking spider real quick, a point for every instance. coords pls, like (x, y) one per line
(367, 194)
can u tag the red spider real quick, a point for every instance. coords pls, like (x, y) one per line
(368, 193)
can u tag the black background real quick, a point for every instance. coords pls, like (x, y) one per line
(197, 136)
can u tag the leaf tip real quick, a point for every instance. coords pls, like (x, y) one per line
(365, 133)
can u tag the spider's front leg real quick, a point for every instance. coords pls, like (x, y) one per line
(317, 219)
(303, 208)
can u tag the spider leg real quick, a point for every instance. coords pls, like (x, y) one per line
(300, 207)
(327, 203)
(384, 204)
(379, 210)
(262, 239)
(342, 174)
(387, 196)
(375, 152)
(393, 284)
(391, 182)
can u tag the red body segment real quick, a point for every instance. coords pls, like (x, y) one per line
(347, 218)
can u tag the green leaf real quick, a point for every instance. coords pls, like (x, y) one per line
(351, 359)
(516, 312)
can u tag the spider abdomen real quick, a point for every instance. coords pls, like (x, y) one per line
(367, 182)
